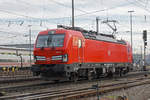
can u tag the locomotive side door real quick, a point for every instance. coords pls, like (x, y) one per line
(80, 50)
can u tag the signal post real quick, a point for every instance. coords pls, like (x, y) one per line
(145, 44)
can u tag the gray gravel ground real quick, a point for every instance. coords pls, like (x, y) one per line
(134, 93)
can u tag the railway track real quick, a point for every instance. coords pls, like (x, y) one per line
(42, 88)
(76, 93)
(22, 87)
(14, 82)
(8, 77)
(35, 83)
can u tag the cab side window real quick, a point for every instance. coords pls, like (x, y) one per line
(79, 43)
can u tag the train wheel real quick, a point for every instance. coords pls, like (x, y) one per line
(120, 73)
(110, 74)
(90, 76)
(74, 77)
(36, 73)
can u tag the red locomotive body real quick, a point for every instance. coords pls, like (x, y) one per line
(75, 53)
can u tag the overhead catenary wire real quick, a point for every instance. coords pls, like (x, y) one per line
(85, 13)
(144, 3)
(16, 33)
(139, 5)
(61, 4)
(79, 15)
(17, 14)
(41, 20)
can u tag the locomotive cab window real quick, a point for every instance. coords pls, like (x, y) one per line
(79, 43)
(50, 40)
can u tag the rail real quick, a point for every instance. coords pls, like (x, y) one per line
(72, 94)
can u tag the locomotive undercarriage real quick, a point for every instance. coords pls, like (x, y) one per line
(77, 71)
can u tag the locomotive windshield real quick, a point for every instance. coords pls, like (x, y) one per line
(50, 40)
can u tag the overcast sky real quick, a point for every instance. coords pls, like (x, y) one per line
(16, 15)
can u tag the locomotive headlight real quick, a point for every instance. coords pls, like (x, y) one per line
(41, 58)
(65, 58)
(57, 57)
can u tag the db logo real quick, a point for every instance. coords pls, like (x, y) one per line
(109, 53)
(48, 59)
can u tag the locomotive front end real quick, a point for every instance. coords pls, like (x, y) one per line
(50, 55)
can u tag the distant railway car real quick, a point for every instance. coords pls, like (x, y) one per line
(13, 60)
(75, 53)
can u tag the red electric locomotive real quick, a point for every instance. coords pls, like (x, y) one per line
(75, 53)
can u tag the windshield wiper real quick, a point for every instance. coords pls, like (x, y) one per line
(53, 47)
(42, 48)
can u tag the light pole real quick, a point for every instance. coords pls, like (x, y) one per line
(72, 13)
(30, 42)
(145, 45)
(141, 57)
(97, 24)
(21, 60)
(131, 11)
